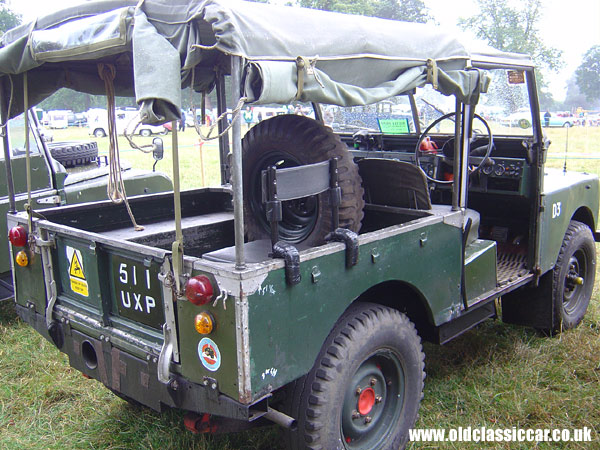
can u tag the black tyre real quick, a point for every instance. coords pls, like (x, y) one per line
(72, 154)
(99, 133)
(287, 141)
(365, 388)
(145, 132)
(573, 277)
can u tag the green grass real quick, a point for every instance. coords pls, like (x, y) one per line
(496, 375)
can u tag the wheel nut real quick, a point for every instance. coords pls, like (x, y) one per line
(368, 419)
(373, 381)
(378, 399)
(358, 390)
(355, 415)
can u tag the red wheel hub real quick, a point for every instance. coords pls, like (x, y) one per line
(366, 400)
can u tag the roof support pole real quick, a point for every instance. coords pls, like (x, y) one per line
(224, 139)
(236, 179)
(12, 208)
(464, 156)
(456, 162)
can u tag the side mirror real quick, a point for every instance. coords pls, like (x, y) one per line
(157, 151)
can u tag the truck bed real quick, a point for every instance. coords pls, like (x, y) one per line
(207, 220)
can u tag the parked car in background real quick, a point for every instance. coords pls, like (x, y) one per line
(77, 119)
(556, 120)
(520, 118)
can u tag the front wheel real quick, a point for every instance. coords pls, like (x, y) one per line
(573, 277)
(366, 386)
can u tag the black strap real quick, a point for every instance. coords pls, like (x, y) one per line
(350, 238)
(290, 255)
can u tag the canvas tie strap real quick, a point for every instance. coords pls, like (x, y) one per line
(177, 246)
(28, 206)
(432, 73)
(116, 187)
(305, 67)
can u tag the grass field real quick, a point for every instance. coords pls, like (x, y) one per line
(496, 375)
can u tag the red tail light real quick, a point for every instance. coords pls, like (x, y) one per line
(199, 290)
(18, 236)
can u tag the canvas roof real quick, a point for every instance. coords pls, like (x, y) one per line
(289, 53)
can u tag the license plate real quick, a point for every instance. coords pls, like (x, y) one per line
(138, 292)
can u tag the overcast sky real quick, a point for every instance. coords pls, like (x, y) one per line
(571, 26)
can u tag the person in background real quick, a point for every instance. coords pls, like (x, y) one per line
(181, 126)
(248, 116)
(547, 119)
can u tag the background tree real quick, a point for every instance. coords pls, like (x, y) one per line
(8, 18)
(574, 98)
(588, 74)
(407, 10)
(513, 29)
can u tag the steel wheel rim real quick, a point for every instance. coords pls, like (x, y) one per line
(572, 292)
(383, 373)
(299, 216)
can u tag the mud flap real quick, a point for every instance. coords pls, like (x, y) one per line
(530, 306)
(56, 334)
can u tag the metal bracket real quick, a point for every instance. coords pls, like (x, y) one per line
(166, 352)
(212, 388)
(52, 200)
(168, 288)
(51, 292)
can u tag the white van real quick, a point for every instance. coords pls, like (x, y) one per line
(58, 118)
(126, 118)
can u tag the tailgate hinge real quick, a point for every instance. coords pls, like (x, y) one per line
(52, 200)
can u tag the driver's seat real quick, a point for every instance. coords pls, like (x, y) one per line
(394, 183)
(390, 182)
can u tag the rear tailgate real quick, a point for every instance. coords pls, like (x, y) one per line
(112, 291)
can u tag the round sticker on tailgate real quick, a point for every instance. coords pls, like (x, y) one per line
(209, 354)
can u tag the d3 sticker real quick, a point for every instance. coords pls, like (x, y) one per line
(209, 354)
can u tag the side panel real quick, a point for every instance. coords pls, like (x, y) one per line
(288, 324)
(563, 195)
(223, 338)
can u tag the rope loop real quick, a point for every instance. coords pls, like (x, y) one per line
(116, 187)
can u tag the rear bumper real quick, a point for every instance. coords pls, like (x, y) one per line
(137, 378)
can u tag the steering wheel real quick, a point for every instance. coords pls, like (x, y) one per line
(449, 155)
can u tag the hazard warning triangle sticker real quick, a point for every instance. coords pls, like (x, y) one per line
(76, 270)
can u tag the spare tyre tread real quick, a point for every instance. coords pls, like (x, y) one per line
(72, 154)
